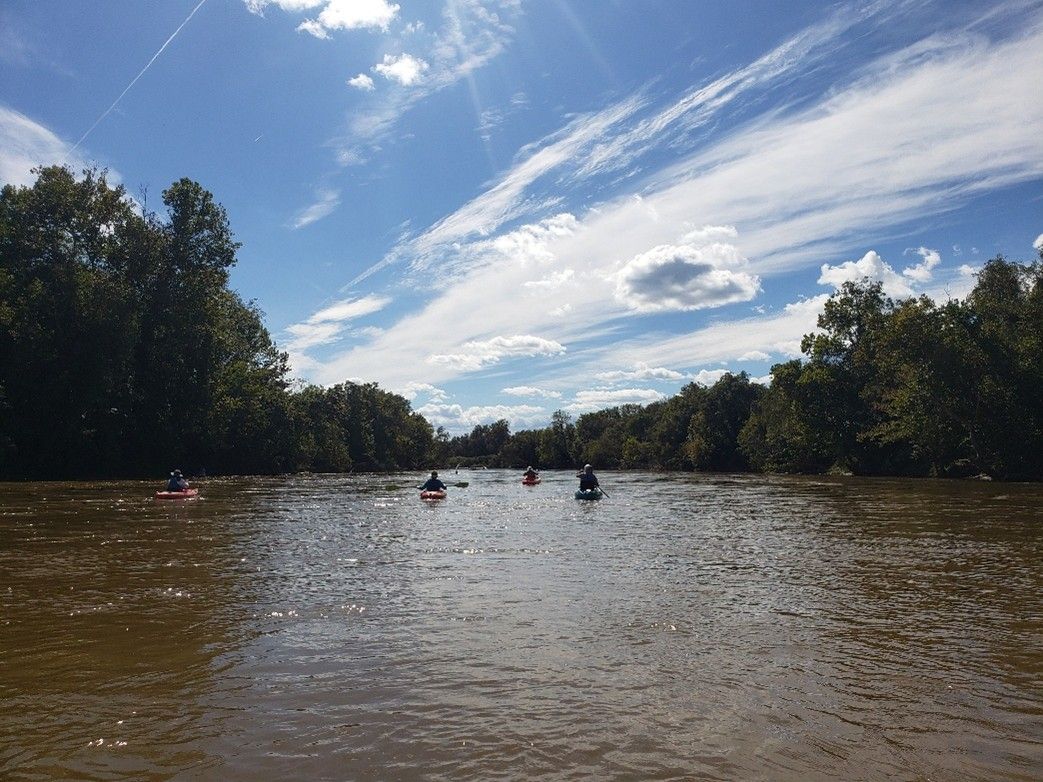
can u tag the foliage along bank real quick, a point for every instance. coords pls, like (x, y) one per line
(124, 352)
(885, 387)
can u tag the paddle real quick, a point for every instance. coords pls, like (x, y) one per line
(603, 491)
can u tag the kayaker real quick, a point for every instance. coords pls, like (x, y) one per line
(531, 474)
(433, 484)
(177, 482)
(587, 479)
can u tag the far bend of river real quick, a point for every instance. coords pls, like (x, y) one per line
(686, 627)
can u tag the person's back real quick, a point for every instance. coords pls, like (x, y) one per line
(530, 473)
(176, 482)
(587, 479)
(433, 483)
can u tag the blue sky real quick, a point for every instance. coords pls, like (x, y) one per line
(501, 208)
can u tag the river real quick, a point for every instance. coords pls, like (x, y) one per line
(719, 627)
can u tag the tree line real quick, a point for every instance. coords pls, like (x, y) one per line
(123, 352)
(885, 387)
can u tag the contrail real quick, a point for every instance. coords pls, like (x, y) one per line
(173, 35)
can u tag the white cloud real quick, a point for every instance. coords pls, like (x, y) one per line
(966, 270)
(600, 398)
(312, 27)
(707, 377)
(308, 335)
(754, 355)
(362, 82)
(357, 14)
(640, 372)
(411, 390)
(684, 277)
(258, 6)
(835, 180)
(346, 309)
(922, 272)
(1038, 244)
(456, 418)
(480, 353)
(328, 201)
(870, 265)
(335, 14)
(404, 68)
(531, 391)
(328, 325)
(25, 144)
(555, 280)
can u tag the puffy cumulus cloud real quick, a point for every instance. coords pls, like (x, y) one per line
(685, 277)
(707, 377)
(529, 244)
(412, 390)
(479, 353)
(362, 82)
(754, 355)
(922, 272)
(600, 398)
(456, 418)
(312, 27)
(966, 270)
(870, 265)
(531, 391)
(404, 68)
(1038, 244)
(328, 200)
(335, 14)
(640, 372)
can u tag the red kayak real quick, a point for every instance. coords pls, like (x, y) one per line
(438, 494)
(530, 481)
(187, 494)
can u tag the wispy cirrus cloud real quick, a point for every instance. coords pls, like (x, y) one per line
(834, 180)
(328, 200)
(25, 144)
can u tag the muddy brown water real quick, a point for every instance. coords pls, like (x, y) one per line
(685, 627)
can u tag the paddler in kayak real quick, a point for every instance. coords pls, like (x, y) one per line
(530, 474)
(177, 482)
(587, 479)
(433, 484)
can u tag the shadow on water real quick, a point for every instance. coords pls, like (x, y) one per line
(708, 626)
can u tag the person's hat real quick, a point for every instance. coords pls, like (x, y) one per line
(587, 467)
(176, 472)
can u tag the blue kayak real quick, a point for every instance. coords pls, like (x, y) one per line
(588, 494)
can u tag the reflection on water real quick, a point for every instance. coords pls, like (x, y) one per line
(712, 627)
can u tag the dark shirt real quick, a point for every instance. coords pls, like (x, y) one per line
(587, 481)
(433, 484)
(176, 484)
